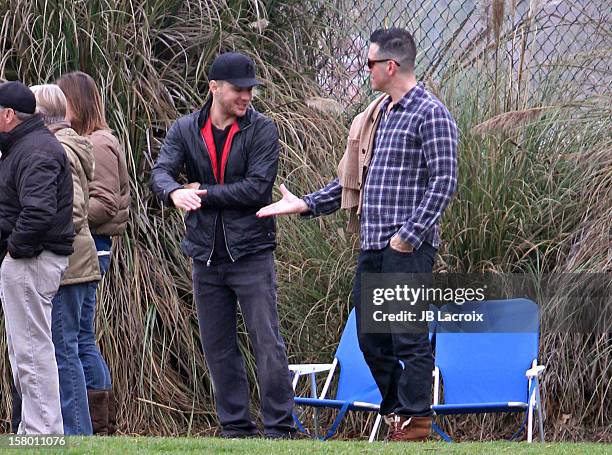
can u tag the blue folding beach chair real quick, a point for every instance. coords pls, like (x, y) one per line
(356, 391)
(489, 366)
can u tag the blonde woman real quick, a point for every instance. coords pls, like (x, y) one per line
(109, 198)
(82, 269)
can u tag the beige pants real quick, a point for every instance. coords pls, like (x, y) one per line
(26, 288)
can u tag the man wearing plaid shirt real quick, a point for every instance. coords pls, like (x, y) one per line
(404, 183)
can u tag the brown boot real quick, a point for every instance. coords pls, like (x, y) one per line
(409, 428)
(98, 410)
(112, 413)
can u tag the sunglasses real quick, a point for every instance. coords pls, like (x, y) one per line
(371, 63)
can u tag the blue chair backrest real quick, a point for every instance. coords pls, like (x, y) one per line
(355, 382)
(488, 366)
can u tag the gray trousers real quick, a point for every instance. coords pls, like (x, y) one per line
(27, 287)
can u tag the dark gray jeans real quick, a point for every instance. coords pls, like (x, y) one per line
(251, 282)
(405, 391)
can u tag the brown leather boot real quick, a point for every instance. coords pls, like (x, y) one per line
(98, 410)
(409, 428)
(112, 413)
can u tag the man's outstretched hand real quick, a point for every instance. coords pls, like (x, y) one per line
(288, 205)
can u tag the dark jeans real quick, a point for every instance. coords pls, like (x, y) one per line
(97, 375)
(16, 411)
(405, 391)
(217, 289)
(65, 317)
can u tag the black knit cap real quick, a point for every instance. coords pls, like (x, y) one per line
(17, 96)
(235, 68)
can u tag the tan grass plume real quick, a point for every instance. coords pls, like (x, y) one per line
(509, 121)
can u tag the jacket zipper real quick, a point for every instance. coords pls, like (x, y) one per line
(225, 238)
(223, 173)
(217, 215)
(213, 245)
(215, 224)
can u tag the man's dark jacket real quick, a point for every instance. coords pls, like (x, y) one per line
(35, 192)
(250, 172)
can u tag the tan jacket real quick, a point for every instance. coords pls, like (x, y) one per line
(109, 192)
(83, 263)
(354, 164)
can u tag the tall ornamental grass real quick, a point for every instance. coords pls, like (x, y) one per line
(534, 196)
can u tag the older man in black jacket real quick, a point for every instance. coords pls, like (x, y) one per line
(36, 235)
(230, 152)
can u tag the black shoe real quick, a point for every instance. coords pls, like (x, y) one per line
(238, 435)
(284, 435)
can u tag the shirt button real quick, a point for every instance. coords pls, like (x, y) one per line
(363, 151)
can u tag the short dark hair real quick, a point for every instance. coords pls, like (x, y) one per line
(397, 44)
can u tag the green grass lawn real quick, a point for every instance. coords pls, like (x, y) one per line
(146, 445)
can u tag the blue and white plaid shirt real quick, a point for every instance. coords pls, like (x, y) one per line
(411, 178)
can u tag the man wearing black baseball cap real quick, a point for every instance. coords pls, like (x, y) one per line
(36, 235)
(230, 153)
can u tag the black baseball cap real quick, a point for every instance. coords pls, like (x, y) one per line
(235, 68)
(17, 96)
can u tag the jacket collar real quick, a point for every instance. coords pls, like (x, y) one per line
(55, 127)
(243, 121)
(23, 129)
